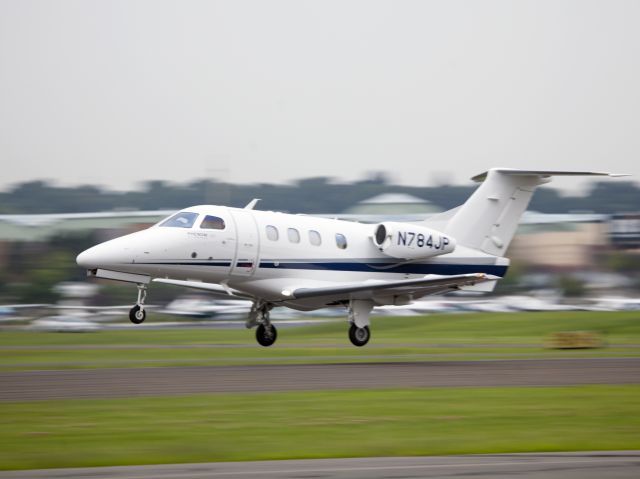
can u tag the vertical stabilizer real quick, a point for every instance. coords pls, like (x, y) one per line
(488, 219)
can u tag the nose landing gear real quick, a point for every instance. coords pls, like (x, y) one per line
(137, 314)
(266, 333)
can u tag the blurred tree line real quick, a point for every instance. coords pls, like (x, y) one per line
(312, 195)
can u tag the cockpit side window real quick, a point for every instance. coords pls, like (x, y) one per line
(184, 219)
(212, 223)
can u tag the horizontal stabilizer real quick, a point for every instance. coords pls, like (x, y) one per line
(545, 173)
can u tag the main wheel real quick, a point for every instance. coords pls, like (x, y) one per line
(266, 335)
(137, 315)
(359, 336)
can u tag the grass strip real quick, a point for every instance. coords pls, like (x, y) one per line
(449, 337)
(43, 359)
(287, 425)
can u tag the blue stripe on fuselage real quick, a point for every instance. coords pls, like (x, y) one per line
(407, 268)
(188, 263)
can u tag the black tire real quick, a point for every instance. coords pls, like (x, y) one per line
(137, 315)
(266, 336)
(359, 336)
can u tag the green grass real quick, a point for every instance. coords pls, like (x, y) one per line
(434, 337)
(231, 427)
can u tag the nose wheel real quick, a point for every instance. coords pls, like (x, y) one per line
(137, 314)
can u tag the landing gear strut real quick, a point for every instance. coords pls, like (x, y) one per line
(137, 314)
(266, 333)
(359, 311)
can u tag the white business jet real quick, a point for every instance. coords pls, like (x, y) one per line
(306, 263)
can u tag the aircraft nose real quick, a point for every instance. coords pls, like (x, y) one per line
(110, 253)
(116, 252)
(89, 258)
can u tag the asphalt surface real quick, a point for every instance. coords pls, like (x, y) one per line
(129, 382)
(583, 465)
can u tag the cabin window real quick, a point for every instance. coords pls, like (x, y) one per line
(314, 238)
(341, 241)
(272, 233)
(184, 219)
(212, 223)
(294, 235)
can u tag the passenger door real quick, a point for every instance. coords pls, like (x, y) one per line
(247, 244)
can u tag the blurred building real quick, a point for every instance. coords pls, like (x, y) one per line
(573, 242)
(394, 204)
(569, 246)
(389, 207)
(624, 231)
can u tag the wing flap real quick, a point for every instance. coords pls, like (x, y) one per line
(422, 286)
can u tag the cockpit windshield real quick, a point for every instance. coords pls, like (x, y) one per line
(184, 219)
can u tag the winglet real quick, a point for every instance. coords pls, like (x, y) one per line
(252, 204)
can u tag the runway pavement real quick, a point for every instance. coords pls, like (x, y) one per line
(102, 383)
(582, 465)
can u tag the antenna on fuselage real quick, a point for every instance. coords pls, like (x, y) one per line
(252, 204)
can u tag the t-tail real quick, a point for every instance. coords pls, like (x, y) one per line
(488, 220)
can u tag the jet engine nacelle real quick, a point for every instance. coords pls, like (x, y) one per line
(407, 241)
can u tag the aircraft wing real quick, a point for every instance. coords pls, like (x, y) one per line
(434, 284)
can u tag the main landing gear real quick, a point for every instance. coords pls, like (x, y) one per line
(266, 333)
(137, 314)
(359, 312)
(359, 336)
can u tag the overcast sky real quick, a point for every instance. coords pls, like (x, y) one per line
(118, 92)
